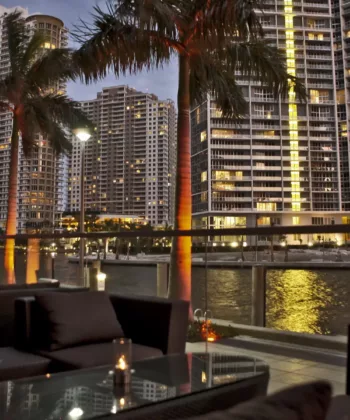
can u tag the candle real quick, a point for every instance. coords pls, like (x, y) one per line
(122, 348)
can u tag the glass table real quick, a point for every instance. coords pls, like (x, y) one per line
(89, 393)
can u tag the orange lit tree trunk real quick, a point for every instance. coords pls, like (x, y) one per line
(11, 223)
(180, 260)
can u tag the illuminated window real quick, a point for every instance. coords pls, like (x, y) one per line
(223, 134)
(266, 206)
(296, 220)
(295, 186)
(222, 175)
(296, 206)
(204, 197)
(340, 97)
(264, 221)
(204, 176)
(224, 186)
(268, 134)
(289, 22)
(203, 136)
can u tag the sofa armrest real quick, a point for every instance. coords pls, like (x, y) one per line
(154, 322)
(23, 320)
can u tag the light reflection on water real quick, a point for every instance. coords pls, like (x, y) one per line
(299, 300)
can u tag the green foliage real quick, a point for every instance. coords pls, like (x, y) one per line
(28, 91)
(220, 38)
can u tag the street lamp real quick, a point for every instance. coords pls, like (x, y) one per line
(83, 134)
(53, 256)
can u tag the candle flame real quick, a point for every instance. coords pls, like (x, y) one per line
(121, 363)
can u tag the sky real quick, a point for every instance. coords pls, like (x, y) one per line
(162, 82)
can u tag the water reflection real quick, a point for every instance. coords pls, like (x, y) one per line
(298, 300)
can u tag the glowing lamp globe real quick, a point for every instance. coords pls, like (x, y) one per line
(83, 134)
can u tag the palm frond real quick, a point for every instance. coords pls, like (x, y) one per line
(59, 138)
(258, 60)
(63, 110)
(125, 44)
(52, 66)
(212, 78)
(215, 20)
(33, 49)
(51, 115)
(17, 39)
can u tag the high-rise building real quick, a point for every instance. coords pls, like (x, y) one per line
(43, 177)
(286, 163)
(130, 159)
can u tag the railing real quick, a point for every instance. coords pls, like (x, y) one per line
(306, 267)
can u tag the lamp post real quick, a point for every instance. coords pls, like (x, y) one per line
(83, 135)
(53, 256)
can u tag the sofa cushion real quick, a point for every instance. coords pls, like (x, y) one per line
(302, 402)
(15, 364)
(91, 355)
(78, 318)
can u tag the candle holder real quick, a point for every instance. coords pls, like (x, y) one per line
(122, 362)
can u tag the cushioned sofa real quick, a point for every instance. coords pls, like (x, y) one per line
(75, 332)
(14, 363)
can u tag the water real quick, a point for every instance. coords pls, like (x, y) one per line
(316, 301)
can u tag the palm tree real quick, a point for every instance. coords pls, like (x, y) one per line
(28, 93)
(212, 41)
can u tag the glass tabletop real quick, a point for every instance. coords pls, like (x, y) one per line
(88, 393)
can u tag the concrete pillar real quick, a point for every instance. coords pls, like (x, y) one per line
(259, 296)
(162, 279)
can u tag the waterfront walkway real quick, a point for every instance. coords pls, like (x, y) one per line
(286, 371)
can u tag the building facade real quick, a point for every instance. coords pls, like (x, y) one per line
(286, 163)
(43, 176)
(130, 159)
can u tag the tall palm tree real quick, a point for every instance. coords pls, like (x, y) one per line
(28, 92)
(213, 40)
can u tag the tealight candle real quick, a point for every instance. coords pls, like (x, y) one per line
(122, 349)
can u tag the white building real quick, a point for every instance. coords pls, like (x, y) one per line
(130, 159)
(43, 176)
(287, 163)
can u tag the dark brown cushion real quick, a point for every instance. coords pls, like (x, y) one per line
(91, 355)
(303, 402)
(78, 318)
(15, 364)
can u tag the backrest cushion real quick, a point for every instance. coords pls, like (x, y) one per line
(77, 318)
(303, 402)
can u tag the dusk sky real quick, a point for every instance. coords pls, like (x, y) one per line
(163, 82)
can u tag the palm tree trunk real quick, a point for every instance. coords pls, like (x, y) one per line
(180, 259)
(11, 224)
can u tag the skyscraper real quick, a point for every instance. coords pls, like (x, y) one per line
(130, 159)
(287, 163)
(42, 176)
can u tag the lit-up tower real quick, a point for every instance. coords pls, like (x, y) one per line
(287, 163)
(130, 159)
(43, 177)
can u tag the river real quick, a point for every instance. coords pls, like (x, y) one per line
(312, 301)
